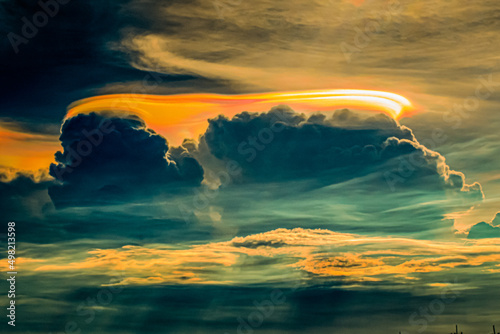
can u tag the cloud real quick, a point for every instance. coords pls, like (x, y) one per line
(337, 160)
(107, 158)
(288, 45)
(283, 145)
(24, 194)
(485, 230)
(306, 255)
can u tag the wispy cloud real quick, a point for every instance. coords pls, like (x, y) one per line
(292, 254)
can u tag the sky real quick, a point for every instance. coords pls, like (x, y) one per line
(228, 166)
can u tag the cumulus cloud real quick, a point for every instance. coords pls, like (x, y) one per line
(283, 145)
(107, 158)
(485, 230)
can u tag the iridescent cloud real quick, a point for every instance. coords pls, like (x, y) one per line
(184, 116)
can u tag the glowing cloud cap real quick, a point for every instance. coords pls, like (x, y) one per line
(181, 116)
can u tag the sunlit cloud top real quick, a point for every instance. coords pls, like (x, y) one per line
(181, 116)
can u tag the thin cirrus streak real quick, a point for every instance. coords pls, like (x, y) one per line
(184, 116)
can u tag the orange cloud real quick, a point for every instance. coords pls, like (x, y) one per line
(184, 116)
(26, 150)
(297, 254)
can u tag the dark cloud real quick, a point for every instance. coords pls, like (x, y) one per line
(24, 194)
(259, 243)
(107, 158)
(283, 145)
(24, 198)
(31, 126)
(486, 230)
(75, 42)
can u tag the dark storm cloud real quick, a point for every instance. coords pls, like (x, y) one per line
(75, 43)
(283, 145)
(107, 158)
(486, 230)
(23, 183)
(42, 73)
(24, 199)
(24, 194)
